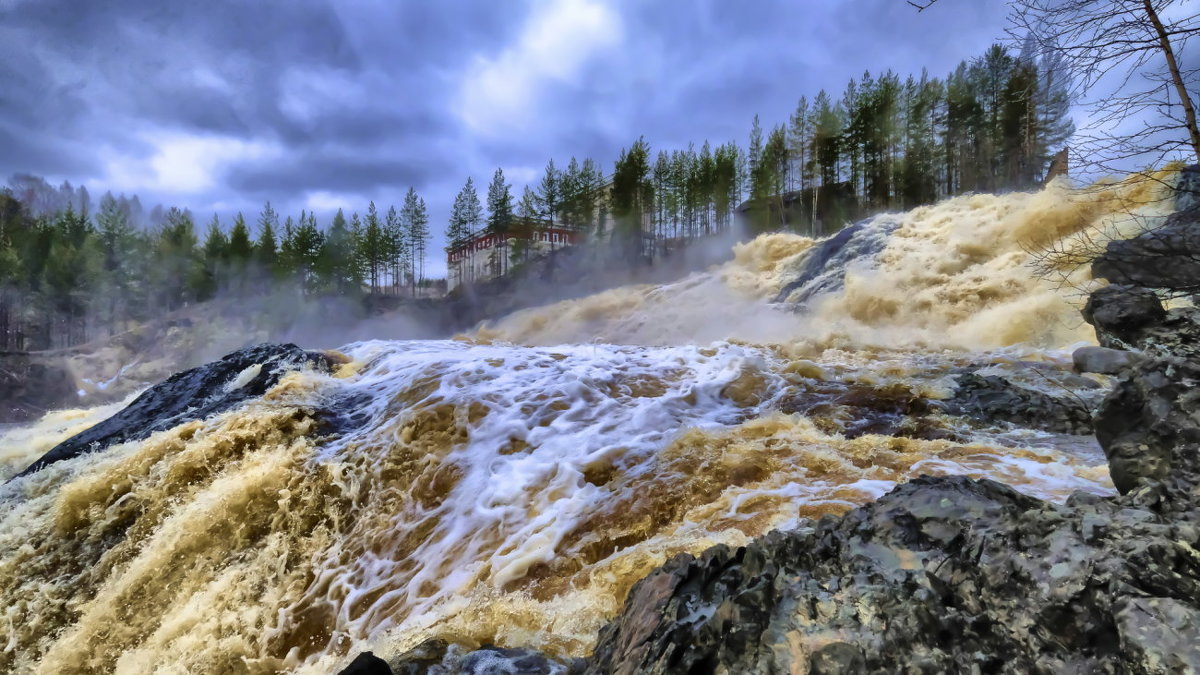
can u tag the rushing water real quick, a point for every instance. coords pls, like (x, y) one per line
(511, 485)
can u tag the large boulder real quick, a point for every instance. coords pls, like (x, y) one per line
(1103, 360)
(824, 266)
(940, 575)
(1119, 313)
(31, 384)
(1149, 426)
(438, 657)
(193, 394)
(1165, 256)
(1131, 318)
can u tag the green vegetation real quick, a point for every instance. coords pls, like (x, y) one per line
(68, 275)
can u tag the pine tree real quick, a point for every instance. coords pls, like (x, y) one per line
(215, 253)
(798, 140)
(336, 268)
(500, 211)
(306, 247)
(414, 218)
(528, 210)
(372, 247)
(1052, 106)
(177, 269)
(397, 252)
(571, 189)
(266, 252)
(632, 196)
(240, 248)
(549, 194)
(754, 155)
(118, 243)
(456, 237)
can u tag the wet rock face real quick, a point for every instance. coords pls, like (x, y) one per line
(436, 657)
(1149, 426)
(991, 398)
(824, 268)
(1166, 257)
(193, 394)
(366, 663)
(1187, 188)
(30, 386)
(1120, 314)
(940, 575)
(1126, 317)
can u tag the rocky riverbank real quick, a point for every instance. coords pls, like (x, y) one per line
(940, 575)
(952, 574)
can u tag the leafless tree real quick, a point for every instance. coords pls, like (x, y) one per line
(1139, 97)
(1125, 55)
(923, 5)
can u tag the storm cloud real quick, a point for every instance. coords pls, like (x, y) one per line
(219, 106)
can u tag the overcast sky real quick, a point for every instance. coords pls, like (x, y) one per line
(218, 106)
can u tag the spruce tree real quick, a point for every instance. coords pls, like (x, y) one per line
(528, 210)
(336, 269)
(632, 196)
(266, 253)
(549, 194)
(372, 247)
(396, 251)
(500, 211)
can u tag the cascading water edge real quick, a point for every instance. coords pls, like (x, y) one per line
(510, 486)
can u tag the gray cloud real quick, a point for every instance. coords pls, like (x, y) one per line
(354, 101)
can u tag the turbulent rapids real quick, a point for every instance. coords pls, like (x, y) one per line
(510, 486)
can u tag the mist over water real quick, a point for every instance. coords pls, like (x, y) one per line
(509, 486)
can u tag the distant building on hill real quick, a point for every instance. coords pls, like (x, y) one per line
(486, 256)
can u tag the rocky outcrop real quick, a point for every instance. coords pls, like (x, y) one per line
(436, 657)
(29, 386)
(366, 663)
(1131, 318)
(1149, 426)
(193, 394)
(991, 398)
(1165, 256)
(824, 266)
(952, 574)
(940, 575)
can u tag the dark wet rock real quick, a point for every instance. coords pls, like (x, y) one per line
(1119, 313)
(940, 575)
(1187, 188)
(193, 394)
(1149, 426)
(1165, 257)
(31, 385)
(824, 267)
(1103, 360)
(1131, 318)
(992, 398)
(366, 663)
(855, 409)
(436, 657)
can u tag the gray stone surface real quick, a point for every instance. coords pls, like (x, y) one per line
(193, 394)
(1103, 360)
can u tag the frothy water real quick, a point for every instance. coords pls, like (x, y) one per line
(510, 486)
